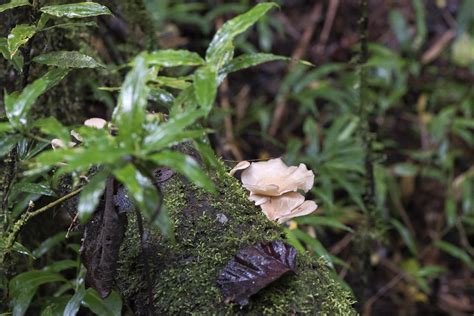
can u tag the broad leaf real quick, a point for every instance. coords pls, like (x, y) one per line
(169, 132)
(173, 58)
(76, 10)
(13, 4)
(141, 189)
(111, 306)
(18, 109)
(254, 268)
(232, 28)
(130, 112)
(185, 165)
(90, 196)
(19, 36)
(66, 59)
(205, 86)
(23, 288)
(35, 188)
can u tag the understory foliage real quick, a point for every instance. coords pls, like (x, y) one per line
(422, 142)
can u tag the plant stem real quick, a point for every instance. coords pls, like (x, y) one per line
(10, 240)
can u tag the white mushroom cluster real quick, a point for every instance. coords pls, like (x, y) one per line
(274, 187)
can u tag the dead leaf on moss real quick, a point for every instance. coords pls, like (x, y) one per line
(255, 267)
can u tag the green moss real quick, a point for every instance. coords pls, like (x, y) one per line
(209, 230)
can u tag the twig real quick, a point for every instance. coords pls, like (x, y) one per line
(298, 53)
(328, 21)
(433, 52)
(10, 240)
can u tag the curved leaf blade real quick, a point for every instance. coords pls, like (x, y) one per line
(234, 27)
(13, 4)
(174, 58)
(205, 86)
(23, 288)
(249, 60)
(142, 191)
(19, 36)
(17, 109)
(185, 165)
(111, 306)
(90, 196)
(67, 59)
(168, 132)
(130, 112)
(76, 10)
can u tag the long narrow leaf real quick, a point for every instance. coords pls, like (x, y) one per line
(76, 10)
(17, 110)
(234, 27)
(185, 165)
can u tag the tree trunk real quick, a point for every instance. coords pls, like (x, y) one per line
(208, 230)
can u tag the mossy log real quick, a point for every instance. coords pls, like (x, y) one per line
(208, 230)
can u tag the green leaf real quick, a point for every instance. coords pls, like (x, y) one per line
(205, 86)
(208, 155)
(51, 126)
(90, 196)
(318, 220)
(111, 306)
(19, 36)
(23, 287)
(13, 4)
(176, 83)
(17, 110)
(249, 60)
(22, 250)
(61, 265)
(232, 28)
(48, 244)
(5, 127)
(185, 165)
(35, 188)
(74, 303)
(406, 236)
(172, 131)
(455, 252)
(67, 59)
(141, 189)
(130, 112)
(7, 142)
(173, 58)
(69, 25)
(405, 169)
(76, 10)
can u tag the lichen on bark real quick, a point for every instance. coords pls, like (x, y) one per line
(208, 230)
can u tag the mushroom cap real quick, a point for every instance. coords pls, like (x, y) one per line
(282, 205)
(306, 208)
(57, 143)
(240, 166)
(274, 178)
(95, 122)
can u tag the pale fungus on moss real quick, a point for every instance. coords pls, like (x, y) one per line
(273, 186)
